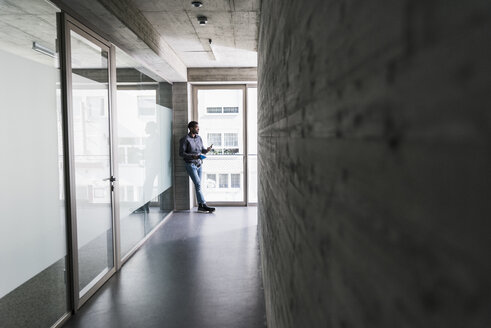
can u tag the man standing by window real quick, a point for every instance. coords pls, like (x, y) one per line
(190, 149)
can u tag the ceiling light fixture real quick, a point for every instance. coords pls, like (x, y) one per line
(202, 20)
(42, 49)
(197, 4)
(213, 55)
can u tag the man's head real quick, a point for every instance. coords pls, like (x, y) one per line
(193, 127)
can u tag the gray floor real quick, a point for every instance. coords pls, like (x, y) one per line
(198, 270)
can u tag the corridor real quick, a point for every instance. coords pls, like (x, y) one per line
(360, 131)
(197, 270)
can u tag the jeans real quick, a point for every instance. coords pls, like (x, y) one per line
(195, 174)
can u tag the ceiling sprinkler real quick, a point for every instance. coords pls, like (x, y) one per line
(202, 20)
(197, 4)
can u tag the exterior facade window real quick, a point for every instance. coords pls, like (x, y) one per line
(99, 193)
(96, 107)
(211, 181)
(214, 110)
(229, 145)
(215, 139)
(226, 180)
(220, 110)
(146, 106)
(231, 140)
(235, 180)
(130, 194)
(130, 150)
(223, 182)
(230, 110)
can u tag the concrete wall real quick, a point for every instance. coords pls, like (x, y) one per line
(180, 129)
(375, 157)
(221, 74)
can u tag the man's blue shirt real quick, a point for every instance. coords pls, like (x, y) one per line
(189, 147)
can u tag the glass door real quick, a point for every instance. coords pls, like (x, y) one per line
(88, 75)
(220, 112)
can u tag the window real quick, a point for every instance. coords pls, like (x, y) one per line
(223, 182)
(230, 110)
(214, 110)
(130, 194)
(99, 192)
(146, 105)
(130, 141)
(230, 143)
(215, 139)
(235, 180)
(211, 181)
(224, 110)
(96, 107)
(231, 139)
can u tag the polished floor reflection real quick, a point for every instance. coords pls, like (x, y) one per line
(197, 270)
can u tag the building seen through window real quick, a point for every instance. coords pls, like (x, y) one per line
(221, 120)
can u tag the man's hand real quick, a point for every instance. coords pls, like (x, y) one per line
(196, 156)
(209, 148)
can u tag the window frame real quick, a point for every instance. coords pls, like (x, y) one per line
(244, 86)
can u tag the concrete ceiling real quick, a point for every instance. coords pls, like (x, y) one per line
(232, 27)
(23, 22)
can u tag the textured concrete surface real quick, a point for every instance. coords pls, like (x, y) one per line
(180, 128)
(122, 24)
(23, 22)
(166, 36)
(232, 26)
(374, 162)
(229, 74)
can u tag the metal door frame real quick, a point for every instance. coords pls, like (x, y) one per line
(66, 24)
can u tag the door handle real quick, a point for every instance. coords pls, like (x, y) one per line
(111, 178)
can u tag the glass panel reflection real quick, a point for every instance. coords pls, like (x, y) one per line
(144, 128)
(92, 160)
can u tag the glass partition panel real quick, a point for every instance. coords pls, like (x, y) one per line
(33, 291)
(144, 129)
(90, 93)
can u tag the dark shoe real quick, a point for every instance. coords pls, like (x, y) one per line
(203, 208)
(209, 209)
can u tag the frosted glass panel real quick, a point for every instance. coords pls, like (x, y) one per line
(32, 201)
(144, 146)
(31, 171)
(144, 128)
